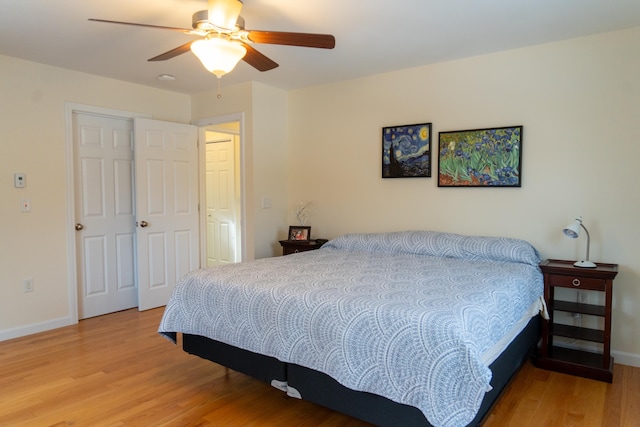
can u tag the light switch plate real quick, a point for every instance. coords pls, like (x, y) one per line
(19, 180)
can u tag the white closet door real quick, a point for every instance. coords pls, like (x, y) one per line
(104, 214)
(166, 207)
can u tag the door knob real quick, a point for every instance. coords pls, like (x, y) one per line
(143, 224)
(79, 227)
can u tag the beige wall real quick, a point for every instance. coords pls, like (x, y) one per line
(32, 141)
(579, 103)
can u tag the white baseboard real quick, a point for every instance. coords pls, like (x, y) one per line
(629, 359)
(35, 328)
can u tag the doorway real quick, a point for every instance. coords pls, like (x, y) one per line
(222, 190)
(222, 201)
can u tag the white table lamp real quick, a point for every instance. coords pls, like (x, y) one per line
(573, 230)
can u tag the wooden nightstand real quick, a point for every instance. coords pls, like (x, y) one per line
(588, 364)
(294, 246)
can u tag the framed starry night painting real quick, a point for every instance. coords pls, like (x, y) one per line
(406, 151)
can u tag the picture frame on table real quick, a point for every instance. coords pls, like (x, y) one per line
(490, 157)
(300, 233)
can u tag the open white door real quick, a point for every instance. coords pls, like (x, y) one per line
(167, 232)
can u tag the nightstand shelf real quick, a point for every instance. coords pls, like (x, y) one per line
(574, 307)
(578, 333)
(590, 364)
(578, 360)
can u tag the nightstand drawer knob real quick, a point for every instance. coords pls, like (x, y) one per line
(576, 282)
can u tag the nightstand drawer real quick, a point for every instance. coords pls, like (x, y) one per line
(592, 284)
(295, 246)
(288, 250)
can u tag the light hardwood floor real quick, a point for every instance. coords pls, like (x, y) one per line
(115, 370)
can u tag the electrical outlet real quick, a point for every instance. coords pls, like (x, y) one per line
(27, 285)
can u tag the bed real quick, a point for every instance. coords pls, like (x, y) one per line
(415, 328)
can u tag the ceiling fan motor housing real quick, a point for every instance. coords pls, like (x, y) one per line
(200, 21)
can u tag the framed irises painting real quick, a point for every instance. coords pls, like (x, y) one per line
(406, 151)
(480, 157)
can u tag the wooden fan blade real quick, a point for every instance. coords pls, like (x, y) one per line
(159, 27)
(323, 41)
(257, 60)
(172, 53)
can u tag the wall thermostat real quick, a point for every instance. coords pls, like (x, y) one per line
(19, 180)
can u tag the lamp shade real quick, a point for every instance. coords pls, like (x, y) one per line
(218, 55)
(573, 230)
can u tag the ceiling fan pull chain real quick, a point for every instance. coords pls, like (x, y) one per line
(219, 91)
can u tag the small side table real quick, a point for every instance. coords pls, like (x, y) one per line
(564, 274)
(295, 246)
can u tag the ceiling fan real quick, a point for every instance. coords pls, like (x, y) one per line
(224, 40)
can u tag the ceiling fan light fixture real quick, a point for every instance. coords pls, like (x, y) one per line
(224, 13)
(219, 55)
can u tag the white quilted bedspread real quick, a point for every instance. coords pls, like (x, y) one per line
(404, 315)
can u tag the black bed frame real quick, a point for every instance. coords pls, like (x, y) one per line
(319, 388)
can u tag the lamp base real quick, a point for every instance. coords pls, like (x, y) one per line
(585, 264)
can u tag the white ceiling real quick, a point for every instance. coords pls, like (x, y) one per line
(372, 36)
